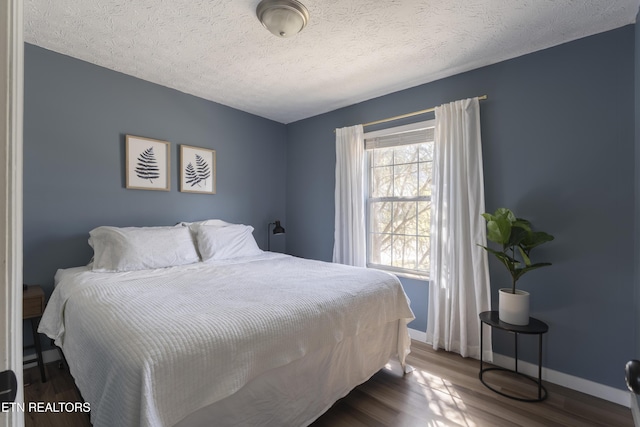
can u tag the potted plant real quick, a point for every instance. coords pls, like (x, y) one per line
(517, 240)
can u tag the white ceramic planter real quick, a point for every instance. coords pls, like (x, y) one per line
(513, 308)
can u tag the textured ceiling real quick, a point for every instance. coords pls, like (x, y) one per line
(351, 50)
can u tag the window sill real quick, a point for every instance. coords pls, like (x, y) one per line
(410, 276)
(414, 276)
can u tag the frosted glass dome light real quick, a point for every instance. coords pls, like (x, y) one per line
(283, 18)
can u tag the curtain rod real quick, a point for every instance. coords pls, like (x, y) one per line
(404, 116)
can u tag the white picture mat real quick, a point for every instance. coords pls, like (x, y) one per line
(135, 147)
(188, 157)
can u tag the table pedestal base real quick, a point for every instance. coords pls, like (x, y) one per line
(542, 392)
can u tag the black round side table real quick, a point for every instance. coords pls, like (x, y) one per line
(535, 327)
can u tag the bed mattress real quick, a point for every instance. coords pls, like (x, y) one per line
(151, 348)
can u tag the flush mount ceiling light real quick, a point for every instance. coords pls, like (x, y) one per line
(283, 18)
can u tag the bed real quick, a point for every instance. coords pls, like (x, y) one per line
(247, 338)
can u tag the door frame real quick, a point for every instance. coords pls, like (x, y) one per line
(11, 114)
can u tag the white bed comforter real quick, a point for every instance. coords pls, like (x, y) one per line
(147, 348)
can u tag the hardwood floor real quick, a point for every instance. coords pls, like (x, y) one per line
(58, 388)
(444, 390)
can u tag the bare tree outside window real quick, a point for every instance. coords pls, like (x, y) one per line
(399, 207)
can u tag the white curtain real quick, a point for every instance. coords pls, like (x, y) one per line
(459, 277)
(350, 245)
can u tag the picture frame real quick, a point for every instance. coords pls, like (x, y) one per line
(147, 164)
(197, 170)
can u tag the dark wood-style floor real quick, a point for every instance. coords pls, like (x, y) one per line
(444, 390)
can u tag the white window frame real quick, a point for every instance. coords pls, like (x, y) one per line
(411, 273)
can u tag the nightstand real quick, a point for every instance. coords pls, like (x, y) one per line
(535, 327)
(32, 309)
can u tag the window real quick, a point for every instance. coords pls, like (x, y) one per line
(399, 198)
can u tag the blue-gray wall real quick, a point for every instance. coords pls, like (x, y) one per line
(558, 147)
(76, 116)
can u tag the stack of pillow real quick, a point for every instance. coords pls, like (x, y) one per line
(118, 249)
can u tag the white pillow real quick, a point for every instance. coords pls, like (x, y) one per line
(235, 240)
(218, 222)
(141, 248)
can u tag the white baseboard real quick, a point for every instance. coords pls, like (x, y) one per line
(621, 397)
(48, 356)
(417, 335)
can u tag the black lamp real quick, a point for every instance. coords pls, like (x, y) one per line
(277, 229)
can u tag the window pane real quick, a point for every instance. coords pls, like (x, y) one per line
(383, 157)
(424, 218)
(406, 154)
(426, 152)
(424, 246)
(380, 215)
(399, 229)
(382, 182)
(404, 218)
(380, 249)
(404, 252)
(425, 178)
(405, 180)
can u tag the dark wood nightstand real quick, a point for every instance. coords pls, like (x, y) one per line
(32, 309)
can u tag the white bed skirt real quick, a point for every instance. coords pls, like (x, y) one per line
(300, 392)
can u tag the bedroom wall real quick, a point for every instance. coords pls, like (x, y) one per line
(558, 147)
(76, 116)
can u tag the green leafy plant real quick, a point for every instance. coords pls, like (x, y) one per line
(517, 240)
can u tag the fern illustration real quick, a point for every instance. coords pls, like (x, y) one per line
(202, 168)
(200, 173)
(191, 175)
(147, 167)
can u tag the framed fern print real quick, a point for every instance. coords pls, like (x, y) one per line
(197, 170)
(147, 164)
